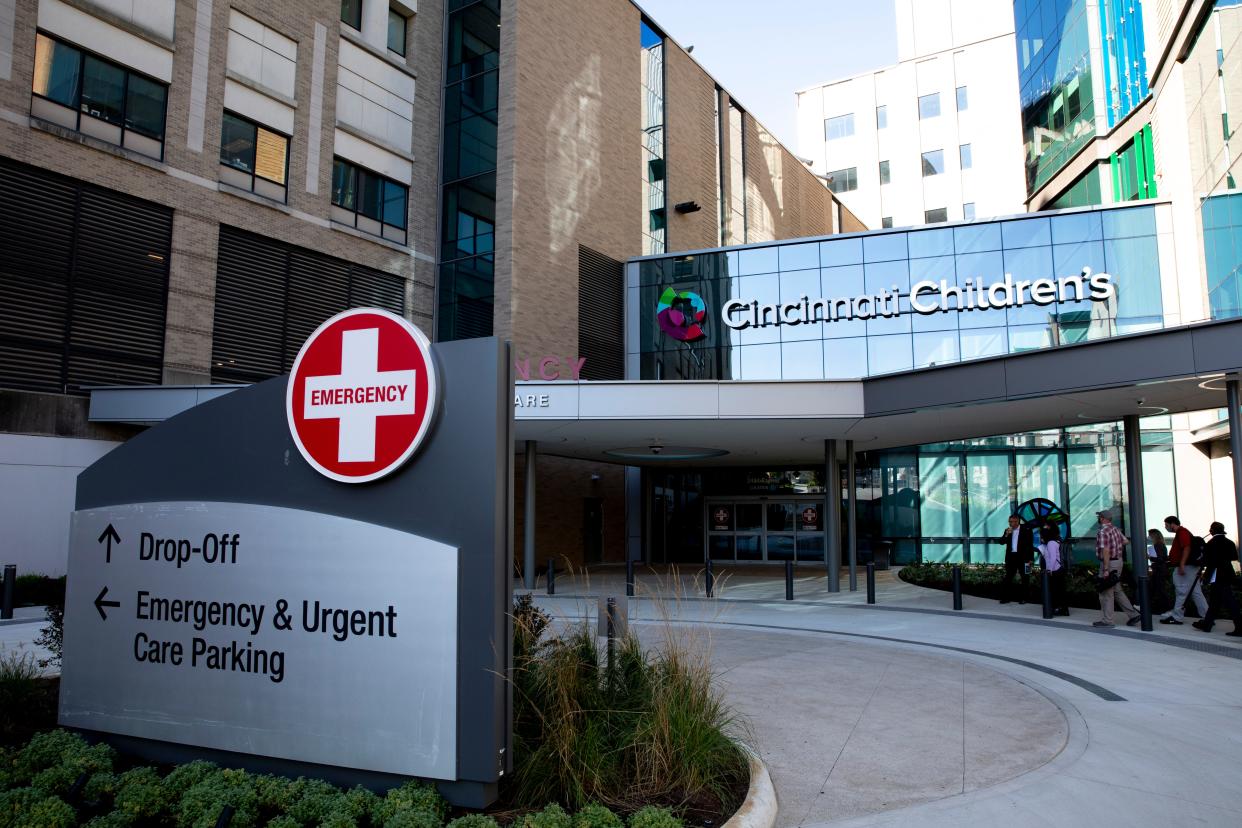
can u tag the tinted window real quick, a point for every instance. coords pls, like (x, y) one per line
(842, 126)
(237, 138)
(961, 98)
(843, 181)
(103, 90)
(964, 154)
(968, 211)
(144, 106)
(396, 31)
(881, 116)
(56, 71)
(937, 215)
(933, 163)
(929, 105)
(886, 222)
(344, 185)
(884, 173)
(351, 13)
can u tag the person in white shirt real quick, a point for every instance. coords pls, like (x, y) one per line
(1057, 566)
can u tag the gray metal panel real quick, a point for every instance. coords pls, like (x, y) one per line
(952, 385)
(454, 491)
(1102, 364)
(1218, 347)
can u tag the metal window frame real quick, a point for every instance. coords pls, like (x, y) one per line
(404, 228)
(254, 173)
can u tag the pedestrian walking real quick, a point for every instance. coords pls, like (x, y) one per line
(1110, 548)
(1019, 543)
(1158, 561)
(1054, 561)
(1182, 559)
(1220, 553)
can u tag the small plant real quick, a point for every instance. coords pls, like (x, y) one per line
(553, 816)
(473, 821)
(654, 817)
(201, 805)
(52, 637)
(412, 797)
(596, 816)
(139, 795)
(411, 819)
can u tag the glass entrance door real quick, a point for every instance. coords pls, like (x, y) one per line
(788, 529)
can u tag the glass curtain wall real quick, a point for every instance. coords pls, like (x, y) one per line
(1054, 74)
(655, 216)
(1124, 57)
(1134, 168)
(467, 267)
(948, 502)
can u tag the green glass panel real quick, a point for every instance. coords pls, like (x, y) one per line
(987, 487)
(940, 489)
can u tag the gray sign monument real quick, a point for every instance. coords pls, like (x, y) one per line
(228, 601)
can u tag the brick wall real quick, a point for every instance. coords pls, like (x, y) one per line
(690, 130)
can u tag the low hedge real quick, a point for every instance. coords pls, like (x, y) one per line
(35, 590)
(58, 780)
(984, 581)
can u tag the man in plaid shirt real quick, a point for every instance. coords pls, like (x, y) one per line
(1110, 548)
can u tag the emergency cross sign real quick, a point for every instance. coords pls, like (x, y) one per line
(362, 395)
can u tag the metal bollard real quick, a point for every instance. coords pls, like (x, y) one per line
(709, 579)
(870, 583)
(957, 587)
(1143, 593)
(551, 577)
(1046, 584)
(10, 592)
(629, 578)
(226, 817)
(788, 580)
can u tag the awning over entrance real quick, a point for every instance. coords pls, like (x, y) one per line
(773, 423)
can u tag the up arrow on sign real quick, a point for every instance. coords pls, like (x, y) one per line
(109, 536)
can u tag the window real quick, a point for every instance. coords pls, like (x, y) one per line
(368, 201)
(881, 116)
(936, 216)
(968, 211)
(843, 181)
(351, 13)
(254, 158)
(884, 175)
(961, 99)
(886, 222)
(929, 106)
(933, 163)
(964, 154)
(396, 31)
(104, 100)
(842, 126)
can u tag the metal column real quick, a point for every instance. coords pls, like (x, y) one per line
(528, 519)
(1137, 518)
(851, 520)
(1233, 389)
(832, 515)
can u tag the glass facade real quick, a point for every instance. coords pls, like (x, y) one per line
(1124, 59)
(1054, 76)
(1222, 243)
(1134, 168)
(841, 307)
(467, 268)
(655, 215)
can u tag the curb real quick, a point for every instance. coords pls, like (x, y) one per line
(759, 808)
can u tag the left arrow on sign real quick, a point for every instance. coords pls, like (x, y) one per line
(100, 603)
(109, 536)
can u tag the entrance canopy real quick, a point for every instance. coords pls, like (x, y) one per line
(786, 422)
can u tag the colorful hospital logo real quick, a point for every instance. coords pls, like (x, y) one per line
(681, 314)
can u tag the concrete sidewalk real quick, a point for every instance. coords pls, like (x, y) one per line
(913, 716)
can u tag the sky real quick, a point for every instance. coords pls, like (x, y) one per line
(762, 52)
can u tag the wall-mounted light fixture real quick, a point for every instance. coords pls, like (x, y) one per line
(688, 207)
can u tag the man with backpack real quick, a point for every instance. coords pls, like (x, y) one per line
(1218, 572)
(1186, 558)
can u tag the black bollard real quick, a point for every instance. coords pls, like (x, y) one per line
(1143, 593)
(226, 817)
(870, 583)
(957, 587)
(709, 578)
(10, 592)
(551, 578)
(788, 580)
(1046, 585)
(629, 579)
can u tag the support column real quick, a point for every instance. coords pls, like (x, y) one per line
(1137, 517)
(832, 515)
(851, 519)
(1233, 389)
(528, 519)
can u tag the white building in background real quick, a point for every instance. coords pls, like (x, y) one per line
(934, 137)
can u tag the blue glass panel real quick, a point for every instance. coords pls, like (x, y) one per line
(931, 243)
(935, 349)
(757, 260)
(990, 267)
(1077, 227)
(1030, 337)
(845, 358)
(893, 324)
(1135, 221)
(973, 238)
(1135, 267)
(1028, 264)
(983, 342)
(884, 248)
(799, 256)
(758, 362)
(802, 360)
(842, 281)
(886, 354)
(840, 252)
(885, 275)
(1026, 233)
(794, 286)
(765, 290)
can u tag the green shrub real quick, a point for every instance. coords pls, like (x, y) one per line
(283, 821)
(100, 787)
(50, 812)
(412, 819)
(15, 804)
(140, 795)
(315, 800)
(112, 819)
(184, 777)
(596, 816)
(201, 805)
(552, 816)
(654, 817)
(473, 821)
(52, 637)
(411, 797)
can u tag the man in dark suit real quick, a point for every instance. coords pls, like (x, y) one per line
(1019, 543)
(1219, 575)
